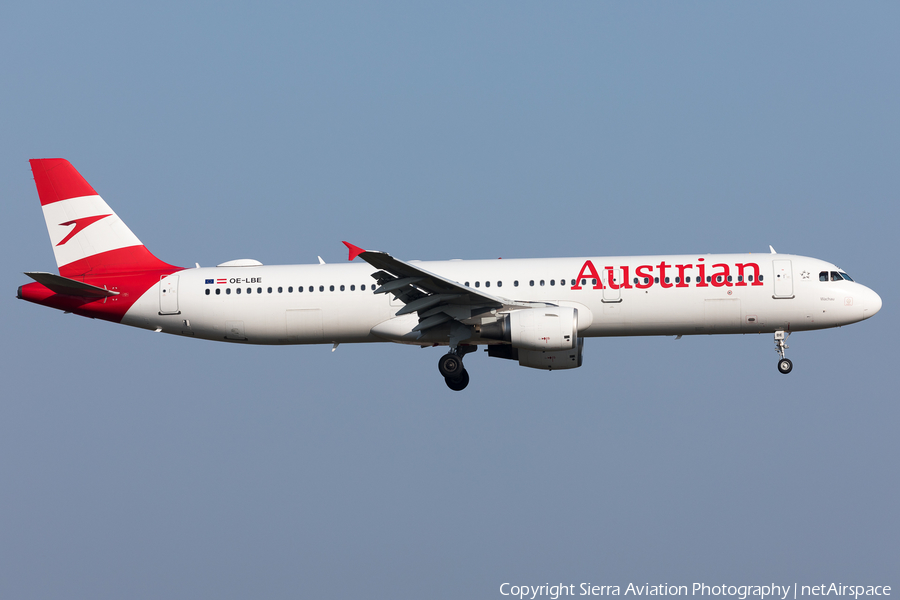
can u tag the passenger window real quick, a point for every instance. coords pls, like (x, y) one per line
(667, 280)
(584, 281)
(729, 278)
(593, 282)
(635, 281)
(552, 282)
(687, 279)
(531, 283)
(760, 277)
(279, 290)
(363, 287)
(487, 284)
(321, 288)
(542, 282)
(259, 290)
(218, 291)
(477, 284)
(708, 279)
(646, 280)
(290, 289)
(342, 288)
(499, 284)
(269, 290)
(228, 291)
(352, 288)
(656, 280)
(237, 290)
(207, 291)
(467, 284)
(330, 288)
(516, 283)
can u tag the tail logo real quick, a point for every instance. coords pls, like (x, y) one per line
(79, 225)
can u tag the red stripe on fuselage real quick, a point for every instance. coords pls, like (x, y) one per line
(130, 271)
(131, 286)
(56, 179)
(118, 261)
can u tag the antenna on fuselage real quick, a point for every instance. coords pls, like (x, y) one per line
(771, 249)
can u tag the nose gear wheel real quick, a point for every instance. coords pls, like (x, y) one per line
(784, 364)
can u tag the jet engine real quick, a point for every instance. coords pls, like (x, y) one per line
(540, 338)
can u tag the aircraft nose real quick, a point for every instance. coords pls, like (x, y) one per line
(872, 303)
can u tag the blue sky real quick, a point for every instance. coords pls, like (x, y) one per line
(146, 466)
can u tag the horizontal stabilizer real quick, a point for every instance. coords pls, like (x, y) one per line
(70, 287)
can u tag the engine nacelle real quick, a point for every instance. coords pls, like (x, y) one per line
(540, 329)
(548, 360)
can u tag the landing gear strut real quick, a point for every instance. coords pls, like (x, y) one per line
(784, 364)
(451, 367)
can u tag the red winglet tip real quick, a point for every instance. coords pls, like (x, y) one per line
(354, 250)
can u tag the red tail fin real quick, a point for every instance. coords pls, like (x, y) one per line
(88, 237)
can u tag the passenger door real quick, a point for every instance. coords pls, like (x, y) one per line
(784, 284)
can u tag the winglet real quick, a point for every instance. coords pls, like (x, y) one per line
(354, 250)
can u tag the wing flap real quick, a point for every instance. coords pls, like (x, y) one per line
(403, 274)
(435, 298)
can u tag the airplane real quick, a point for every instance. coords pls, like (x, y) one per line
(534, 311)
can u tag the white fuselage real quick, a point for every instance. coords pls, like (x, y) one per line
(656, 295)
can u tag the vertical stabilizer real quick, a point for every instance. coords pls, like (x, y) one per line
(88, 237)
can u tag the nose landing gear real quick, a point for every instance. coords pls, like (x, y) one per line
(451, 367)
(784, 364)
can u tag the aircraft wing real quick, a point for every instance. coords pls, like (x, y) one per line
(436, 299)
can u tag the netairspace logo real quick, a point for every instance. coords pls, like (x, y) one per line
(740, 592)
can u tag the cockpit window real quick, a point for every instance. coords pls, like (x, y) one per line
(845, 276)
(823, 275)
(835, 276)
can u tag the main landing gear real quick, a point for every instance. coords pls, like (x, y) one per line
(451, 367)
(784, 364)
